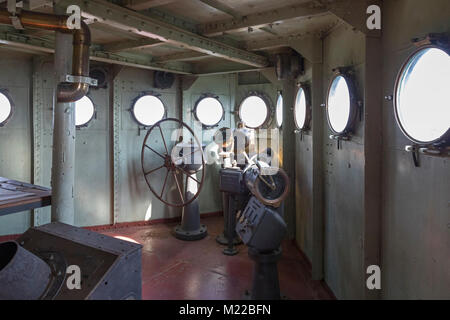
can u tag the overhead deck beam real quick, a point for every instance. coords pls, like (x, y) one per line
(146, 4)
(261, 19)
(277, 42)
(171, 19)
(126, 19)
(226, 71)
(95, 25)
(44, 46)
(230, 11)
(131, 45)
(47, 47)
(221, 7)
(183, 56)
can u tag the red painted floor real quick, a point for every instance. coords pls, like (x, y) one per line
(176, 269)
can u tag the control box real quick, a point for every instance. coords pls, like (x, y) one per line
(232, 181)
(261, 227)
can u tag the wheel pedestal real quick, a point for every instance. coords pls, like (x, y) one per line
(265, 284)
(190, 228)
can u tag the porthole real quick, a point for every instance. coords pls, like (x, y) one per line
(209, 111)
(302, 110)
(148, 109)
(84, 111)
(279, 110)
(6, 108)
(254, 111)
(341, 105)
(421, 103)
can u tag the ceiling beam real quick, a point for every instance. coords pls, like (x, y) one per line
(95, 25)
(21, 41)
(146, 4)
(126, 19)
(131, 45)
(228, 71)
(268, 30)
(171, 19)
(275, 43)
(182, 56)
(234, 13)
(261, 19)
(307, 45)
(222, 7)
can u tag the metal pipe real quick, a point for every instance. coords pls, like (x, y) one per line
(81, 44)
(64, 132)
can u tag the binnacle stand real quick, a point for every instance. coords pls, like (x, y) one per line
(190, 227)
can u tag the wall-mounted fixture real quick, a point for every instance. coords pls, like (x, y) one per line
(342, 105)
(279, 109)
(147, 109)
(6, 107)
(421, 103)
(209, 111)
(302, 110)
(101, 75)
(84, 112)
(255, 111)
(163, 80)
(288, 65)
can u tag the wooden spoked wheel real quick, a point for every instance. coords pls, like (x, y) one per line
(164, 165)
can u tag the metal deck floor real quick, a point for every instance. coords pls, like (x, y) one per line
(175, 269)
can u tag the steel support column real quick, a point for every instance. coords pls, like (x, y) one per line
(116, 121)
(318, 119)
(288, 155)
(38, 108)
(311, 48)
(373, 157)
(63, 163)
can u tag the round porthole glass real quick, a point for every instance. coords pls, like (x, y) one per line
(253, 112)
(422, 104)
(209, 111)
(302, 112)
(148, 110)
(5, 108)
(279, 110)
(84, 111)
(339, 107)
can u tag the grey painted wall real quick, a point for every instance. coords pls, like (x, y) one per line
(416, 207)
(15, 136)
(136, 202)
(415, 237)
(344, 177)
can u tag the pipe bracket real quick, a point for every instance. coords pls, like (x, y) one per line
(79, 79)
